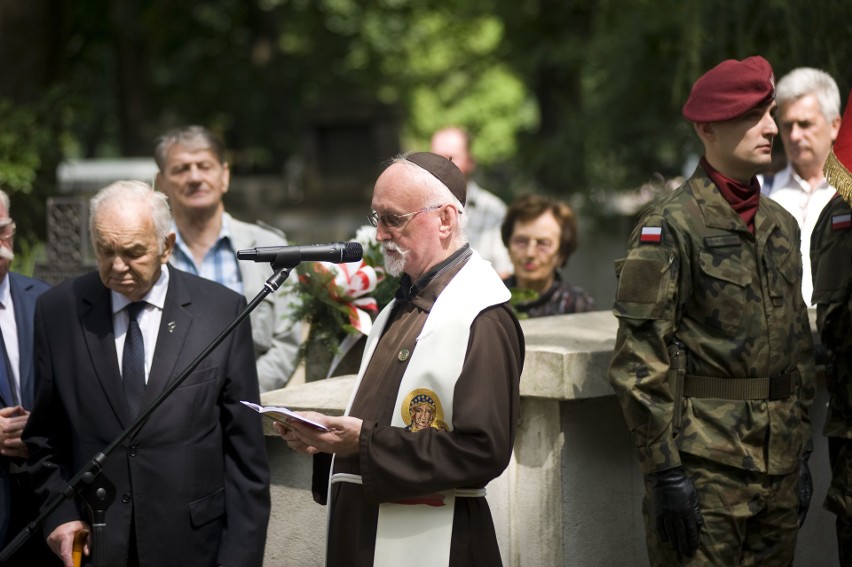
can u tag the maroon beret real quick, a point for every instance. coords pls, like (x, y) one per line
(445, 170)
(730, 89)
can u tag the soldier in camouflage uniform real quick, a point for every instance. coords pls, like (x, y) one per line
(831, 262)
(713, 359)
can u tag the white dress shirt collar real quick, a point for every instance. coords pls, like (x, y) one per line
(156, 296)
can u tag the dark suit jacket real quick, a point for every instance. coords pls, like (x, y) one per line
(24, 293)
(194, 478)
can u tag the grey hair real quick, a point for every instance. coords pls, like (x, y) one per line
(193, 137)
(122, 192)
(4, 198)
(807, 80)
(435, 194)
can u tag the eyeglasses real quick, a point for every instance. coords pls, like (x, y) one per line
(522, 244)
(395, 221)
(7, 229)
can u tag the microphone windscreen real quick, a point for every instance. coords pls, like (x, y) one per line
(352, 252)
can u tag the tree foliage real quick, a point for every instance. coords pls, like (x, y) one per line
(562, 96)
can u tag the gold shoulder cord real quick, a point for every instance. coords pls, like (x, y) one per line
(840, 177)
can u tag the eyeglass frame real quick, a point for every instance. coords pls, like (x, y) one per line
(375, 218)
(515, 242)
(7, 225)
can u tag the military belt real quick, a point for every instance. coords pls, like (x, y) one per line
(771, 388)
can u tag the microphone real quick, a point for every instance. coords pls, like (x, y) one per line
(334, 252)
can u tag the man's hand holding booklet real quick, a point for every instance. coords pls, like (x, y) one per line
(282, 415)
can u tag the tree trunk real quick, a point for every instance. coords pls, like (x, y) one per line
(136, 133)
(32, 38)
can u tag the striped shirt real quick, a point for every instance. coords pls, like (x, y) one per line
(220, 264)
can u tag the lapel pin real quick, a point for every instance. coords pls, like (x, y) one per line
(171, 325)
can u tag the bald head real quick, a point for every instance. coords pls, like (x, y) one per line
(454, 143)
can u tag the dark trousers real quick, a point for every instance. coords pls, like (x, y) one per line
(837, 501)
(24, 509)
(750, 518)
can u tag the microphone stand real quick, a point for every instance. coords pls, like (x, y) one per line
(89, 482)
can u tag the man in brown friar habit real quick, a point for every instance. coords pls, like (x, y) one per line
(449, 336)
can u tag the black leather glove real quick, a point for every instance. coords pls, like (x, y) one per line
(805, 488)
(674, 506)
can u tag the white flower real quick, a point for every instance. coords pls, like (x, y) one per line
(366, 236)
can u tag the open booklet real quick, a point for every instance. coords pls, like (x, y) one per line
(282, 414)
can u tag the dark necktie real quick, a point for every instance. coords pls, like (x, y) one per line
(7, 387)
(133, 363)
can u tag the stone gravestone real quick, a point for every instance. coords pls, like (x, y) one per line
(68, 248)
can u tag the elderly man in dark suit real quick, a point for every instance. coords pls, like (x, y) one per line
(18, 294)
(192, 483)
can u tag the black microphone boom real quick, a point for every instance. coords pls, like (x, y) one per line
(334, 252)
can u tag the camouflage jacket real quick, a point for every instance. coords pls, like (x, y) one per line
(831, 263)
(695, 274)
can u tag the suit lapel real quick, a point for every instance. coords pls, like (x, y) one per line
(249, 271)
(24, 303)
(96, 320)
(174, 330)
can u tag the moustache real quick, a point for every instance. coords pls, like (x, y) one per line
(394, 247)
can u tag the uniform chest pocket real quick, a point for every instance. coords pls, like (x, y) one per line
(720, 292)
(788, 284)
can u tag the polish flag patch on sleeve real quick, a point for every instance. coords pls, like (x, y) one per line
(651, 234)
(841, 222)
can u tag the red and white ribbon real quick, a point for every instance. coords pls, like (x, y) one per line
(355, 280)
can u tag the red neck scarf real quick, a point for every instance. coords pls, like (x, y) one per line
(744, 199)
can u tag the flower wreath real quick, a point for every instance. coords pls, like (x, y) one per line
(340, 301)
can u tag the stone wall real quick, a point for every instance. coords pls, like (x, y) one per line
(572, 493)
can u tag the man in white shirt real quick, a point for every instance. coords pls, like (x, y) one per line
(486, 210)
(808, 120)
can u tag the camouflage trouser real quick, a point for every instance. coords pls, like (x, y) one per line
(839, 498)
(750, 518)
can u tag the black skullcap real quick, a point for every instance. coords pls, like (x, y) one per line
(444, 170)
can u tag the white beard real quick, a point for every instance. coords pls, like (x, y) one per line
(394, 265)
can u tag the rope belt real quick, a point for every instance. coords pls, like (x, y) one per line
(458, 492)
(772, 388)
